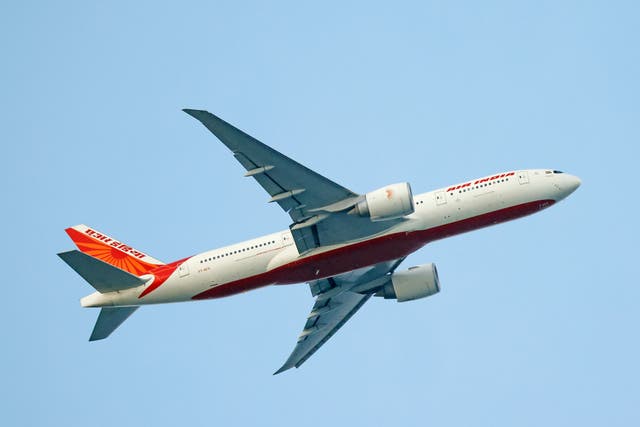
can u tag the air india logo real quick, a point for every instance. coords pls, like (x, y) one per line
(110, 251)
(389, 193)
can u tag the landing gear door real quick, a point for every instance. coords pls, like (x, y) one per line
(523, 177)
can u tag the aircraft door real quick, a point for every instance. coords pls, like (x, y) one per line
(183, 270)
(286, 239)
(441, 198)
(523, 177)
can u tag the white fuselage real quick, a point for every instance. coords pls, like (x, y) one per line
(274, 258)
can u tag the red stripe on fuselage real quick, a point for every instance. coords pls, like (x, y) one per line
(161, 274)
(368, 252)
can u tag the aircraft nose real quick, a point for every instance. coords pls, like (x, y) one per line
(568, 184)
(574, 183)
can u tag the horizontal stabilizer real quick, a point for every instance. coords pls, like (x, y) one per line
(102, 276)
(109, 320)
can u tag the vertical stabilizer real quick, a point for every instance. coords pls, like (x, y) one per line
(111, 251)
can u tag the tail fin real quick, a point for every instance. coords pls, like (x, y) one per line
(109, 320)
(111, 251)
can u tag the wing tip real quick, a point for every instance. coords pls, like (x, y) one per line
(193, 112)
(284, 367)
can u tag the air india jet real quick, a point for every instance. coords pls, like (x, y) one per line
(346, 246)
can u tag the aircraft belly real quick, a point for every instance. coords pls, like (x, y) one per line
(347, 258)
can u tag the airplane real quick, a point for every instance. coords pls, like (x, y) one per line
(346, 246)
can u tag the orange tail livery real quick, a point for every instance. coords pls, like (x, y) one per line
(111, 251)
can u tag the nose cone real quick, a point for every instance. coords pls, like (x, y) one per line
(568, 184)
(574, 183)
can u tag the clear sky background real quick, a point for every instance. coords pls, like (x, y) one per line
(537, 321)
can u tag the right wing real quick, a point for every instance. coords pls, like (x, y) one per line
(337, 300)
(326, 317)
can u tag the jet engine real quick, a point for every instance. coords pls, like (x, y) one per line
(390, 202)
(417, 282)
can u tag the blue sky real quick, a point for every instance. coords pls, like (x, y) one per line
(537, 322)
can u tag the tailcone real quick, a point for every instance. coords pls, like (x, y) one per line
(96, 299)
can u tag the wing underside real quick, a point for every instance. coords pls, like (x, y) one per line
(337, 300)
(326, 317)
(316, 204)
(296, 188)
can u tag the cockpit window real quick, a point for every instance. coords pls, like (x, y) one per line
(558, 172)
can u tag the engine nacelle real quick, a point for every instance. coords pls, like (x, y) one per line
(390, 202)
(417, 282)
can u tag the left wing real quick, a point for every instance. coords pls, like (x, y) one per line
(296, 188)
(337, 299)
(317, 205)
